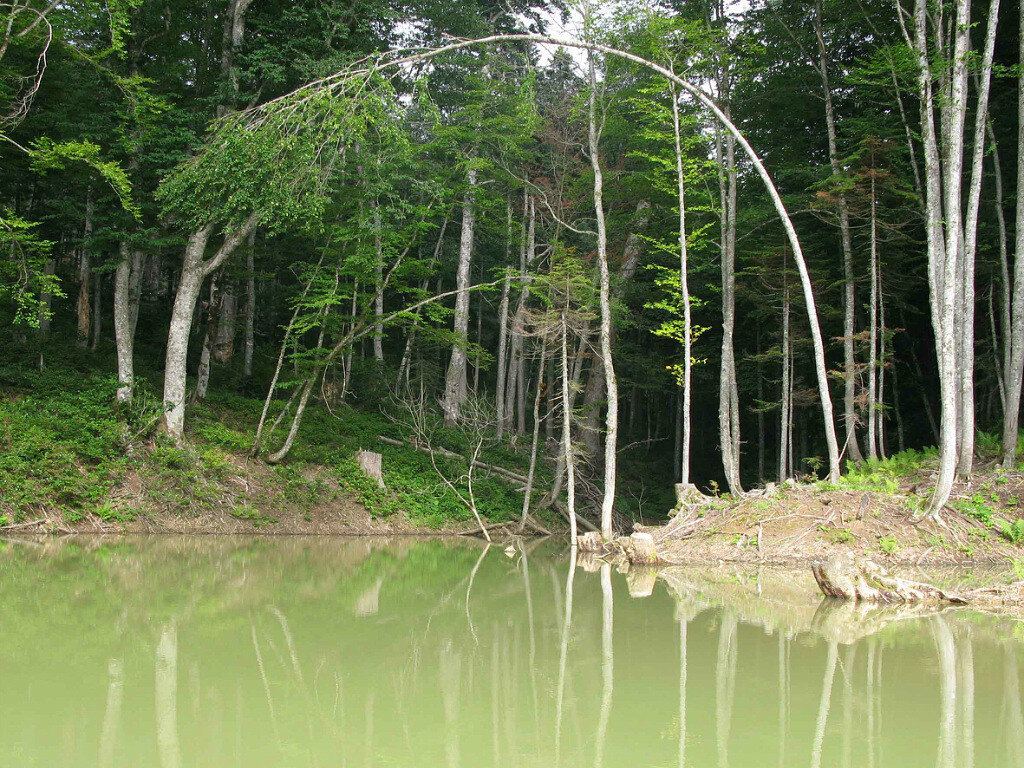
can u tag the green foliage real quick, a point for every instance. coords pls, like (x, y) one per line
(66, 454)
(50, 155)
(1012, 531)
(1017, 564)
(252, 515)
(24, 277)
(836, 535)
(888, 544)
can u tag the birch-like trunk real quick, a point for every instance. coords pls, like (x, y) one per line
(873, 332)
(194, 270)
(728, 426)
(684, 289)
(506, 286)
(567, 456)
(1015, 375)
(611, 385)
(965, 323)
(455, 379)
(126, 302)
(944, 225)
(784, 409)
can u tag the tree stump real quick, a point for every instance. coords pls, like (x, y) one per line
(687, 494)
(371, 464)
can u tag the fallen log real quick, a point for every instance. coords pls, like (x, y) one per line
(500, 471)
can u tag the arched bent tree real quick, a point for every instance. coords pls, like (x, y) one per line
(342, 80)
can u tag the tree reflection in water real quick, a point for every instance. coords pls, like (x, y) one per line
(272, 654)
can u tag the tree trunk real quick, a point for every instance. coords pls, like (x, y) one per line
(567, 454)
(611, 385)
(129, 269)
(193, 271)
(503, 329)
(873, 334)
(965, 458)
(784, 409)
(209, 330)
(595, 392)
(97, 309)
(250, 307)
(378, 297)
(84, 273)
(455, 380)
(1015, 376)
(226, 318)
(528, 491)
(882, 364)
(684, 462)
(728, 425)
(944, 227)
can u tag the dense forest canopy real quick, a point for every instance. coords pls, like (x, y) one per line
(709, 242)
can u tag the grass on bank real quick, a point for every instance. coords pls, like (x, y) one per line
(66, 449)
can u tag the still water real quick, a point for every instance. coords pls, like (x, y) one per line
(171, 652)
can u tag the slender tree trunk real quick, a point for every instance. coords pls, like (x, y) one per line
(784, 409)
(849, 298)
(728, 428)
(567, 455)
(97, 309)
(378, 297)
(611, 385)
(455, 380)
(84, 273)
(479, 339)
(684, 289)
(882, 361)
(965, 324)
(1015, 376)
(760, 414)
(528, 491)
(209, 329)
(250, 307)
(897, 411)
(1004, 267)
(499, 387)
(873, 335)
(226, 323)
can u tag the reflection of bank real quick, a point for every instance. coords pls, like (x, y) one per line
(785, 603)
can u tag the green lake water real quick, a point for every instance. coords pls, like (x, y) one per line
(285, 651)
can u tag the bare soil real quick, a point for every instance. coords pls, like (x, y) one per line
(804, 522)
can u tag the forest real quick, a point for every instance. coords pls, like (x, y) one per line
(555, 262)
